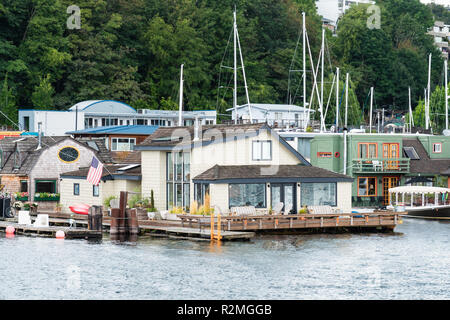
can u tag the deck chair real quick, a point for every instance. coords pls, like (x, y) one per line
(287, 209)
(41, 220)
(278, 207)
(24, 217)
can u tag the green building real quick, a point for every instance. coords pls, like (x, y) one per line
(377, 162)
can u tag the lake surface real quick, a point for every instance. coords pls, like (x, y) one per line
(412, 263)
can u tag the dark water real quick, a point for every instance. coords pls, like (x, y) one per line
(413, 263)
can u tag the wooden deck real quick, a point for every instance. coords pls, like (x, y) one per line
(70, 233)
(376, 221)
(194, 233)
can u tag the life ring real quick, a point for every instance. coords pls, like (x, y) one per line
(337, 154)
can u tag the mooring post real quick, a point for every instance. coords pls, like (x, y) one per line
(95, 218)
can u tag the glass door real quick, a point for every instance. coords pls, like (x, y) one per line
(284, 192)
(391, 151)
(389, 182)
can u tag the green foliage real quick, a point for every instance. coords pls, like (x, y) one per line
(132, 51)
(8, 104)
(107, 201)
(42, 94)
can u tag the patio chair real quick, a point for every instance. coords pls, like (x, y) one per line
(287, 209)
(41, 220)
(377, 165)
(277, 208)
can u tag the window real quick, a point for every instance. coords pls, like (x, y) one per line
(200, 189)
(140, 122)
(26, 123)
(123, 144)
(23, 185)
(247, 195)
(411, 153)
(367, 150)
(76, 189)
(178, 179)
(262, 150)
(48, 186)
(68, 154)
(318, 194)
(367, 187)
(88, 122)
(95, 191)
(437, 147)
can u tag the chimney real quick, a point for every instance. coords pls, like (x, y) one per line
(40, 136)
(196, 130)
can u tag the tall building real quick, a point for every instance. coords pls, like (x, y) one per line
(344, 5)
(441, 35)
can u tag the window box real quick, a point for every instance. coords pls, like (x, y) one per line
(46, 196)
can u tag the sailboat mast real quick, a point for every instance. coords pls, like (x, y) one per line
(304, 67)
(427, 114)
(411, 119)
(322, 120)
(180, 113)
(371, 106)
(446, 93)
(235, 69)
(337, 99)
(245, 79)
(346, 99)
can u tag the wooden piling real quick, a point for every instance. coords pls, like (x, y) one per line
(95, 218)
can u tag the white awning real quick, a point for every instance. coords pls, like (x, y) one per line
(418, 189)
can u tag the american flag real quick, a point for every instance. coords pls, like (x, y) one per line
(95, 172)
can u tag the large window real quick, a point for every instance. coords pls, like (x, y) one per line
(262, 150)
(318, 194)
(46, 186)
(178, 174)
(123, 144)
(247, 195)
(367, 186)
(367, 150)
(200, 189)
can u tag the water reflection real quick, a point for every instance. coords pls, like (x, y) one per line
(412, 263)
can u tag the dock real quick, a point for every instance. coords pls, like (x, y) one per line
(50, 231)
(302, 223)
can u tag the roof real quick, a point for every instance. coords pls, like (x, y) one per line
(418, 189)
(284, 173)
(111, 172)
(130, 129)
(274, 107)
(169, 138)
(85, 105)
(425, 165)
(27, 155)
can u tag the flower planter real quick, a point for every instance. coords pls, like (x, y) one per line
(46, 198)
(21, 198)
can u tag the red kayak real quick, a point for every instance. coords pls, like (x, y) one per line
(80, 208)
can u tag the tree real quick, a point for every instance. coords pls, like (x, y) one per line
(8, 115)
(42, 96)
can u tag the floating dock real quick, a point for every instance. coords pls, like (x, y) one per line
(50, 231)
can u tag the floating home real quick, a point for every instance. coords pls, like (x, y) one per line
(33, 166)
(377, 162)
(237, 165)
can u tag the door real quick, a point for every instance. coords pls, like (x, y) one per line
(391, 151)
(389, 182)
(284, 192)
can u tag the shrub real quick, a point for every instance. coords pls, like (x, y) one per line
(107, 201)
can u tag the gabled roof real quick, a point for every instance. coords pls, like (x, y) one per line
(26, 152)
(282, 173)
(130, 129)
(179, 138)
